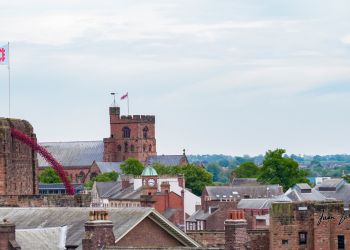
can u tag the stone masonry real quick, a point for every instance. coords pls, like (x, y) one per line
(18, 162)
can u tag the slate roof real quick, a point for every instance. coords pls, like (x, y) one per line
(52, 238)
(104, 188)
(255, 203)
(218, 192)
(167, 160)
(296, 194)
(59, 186)
(106, 167)
(73, 154)
(341, 192)
(124, 219)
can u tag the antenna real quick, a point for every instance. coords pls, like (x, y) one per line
(113, 94)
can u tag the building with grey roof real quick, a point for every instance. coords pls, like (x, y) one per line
(168, 160)
(35, 223)
(303, 192)
(337, 189)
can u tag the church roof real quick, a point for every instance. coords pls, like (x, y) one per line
(106, 167)
(149, 171)
(74, 153)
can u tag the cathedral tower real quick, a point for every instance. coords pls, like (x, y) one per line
(131, 136)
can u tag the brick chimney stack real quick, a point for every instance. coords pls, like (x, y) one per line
(98, 231)
(236, 236)
(8, 236)
(125, 181)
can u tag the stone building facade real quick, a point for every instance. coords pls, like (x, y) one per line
(18, 162)
(131, 136)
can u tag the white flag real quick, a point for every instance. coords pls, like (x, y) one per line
(4, 55)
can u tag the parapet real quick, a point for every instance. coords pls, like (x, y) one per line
(141, 118)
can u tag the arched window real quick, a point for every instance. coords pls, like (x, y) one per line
(150, 148)
(132, 148)
(119, 148)
(125, 147)
(145, 133)
(126, 132)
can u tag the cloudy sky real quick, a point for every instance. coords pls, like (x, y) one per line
(222, 76)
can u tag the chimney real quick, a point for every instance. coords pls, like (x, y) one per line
(165, 187)
(236, 237)
(98, 231)
(125, 181)
(181, 180)
(8, 236)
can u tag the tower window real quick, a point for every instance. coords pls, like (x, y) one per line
(145, 133)
(132, 148)
(119, 148)
(125, 147)
(144, 148)
(150, 148)
(126, 132)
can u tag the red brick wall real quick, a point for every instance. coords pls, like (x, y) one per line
(287, 221)
(215, 222)
(18, 162)
(209, 238)
(136, 124)
(146, 234)
(259, 239)
(7, 233)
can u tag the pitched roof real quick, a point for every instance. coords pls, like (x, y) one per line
(104, 188)
(259, 191)
(338, 192)
(167, 160)
(296, 194)
(124, 220)
(74, 154)
(60, 186)
(106, 167)
(255, 203)
(42, 238)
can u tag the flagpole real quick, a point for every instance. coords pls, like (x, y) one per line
(128, 104)
(8, 67)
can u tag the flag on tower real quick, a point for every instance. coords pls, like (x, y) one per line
(124, 96)
(4, 55)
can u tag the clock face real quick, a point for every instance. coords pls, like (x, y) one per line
(151, 182)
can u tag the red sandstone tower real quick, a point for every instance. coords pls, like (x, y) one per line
(131, 136)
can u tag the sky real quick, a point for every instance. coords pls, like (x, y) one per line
(222, 77)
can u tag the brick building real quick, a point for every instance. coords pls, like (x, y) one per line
(130, 136)
(167, 194)
(18, 162)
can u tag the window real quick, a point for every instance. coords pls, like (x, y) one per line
(132, 148)
(150, 148)
(144, 148)
(284, 242)
(125, 147)
(302, 238)
(145, 133)
(126, 132)
(341, 242)
(119, 148)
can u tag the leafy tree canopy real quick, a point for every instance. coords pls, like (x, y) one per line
(110, 176)
(279, 170)
(196, 178)
(49, 175)
(132, 166)
(247, 170)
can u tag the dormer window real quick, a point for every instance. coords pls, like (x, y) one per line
(145, 132)
(126, 132)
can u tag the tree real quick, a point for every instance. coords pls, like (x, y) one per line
(132, 166)
(247, 170)
(214, 169)
(109, 176)
(279, 170)
(196, 178)
(49, 175)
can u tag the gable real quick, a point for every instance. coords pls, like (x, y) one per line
(148, 234)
